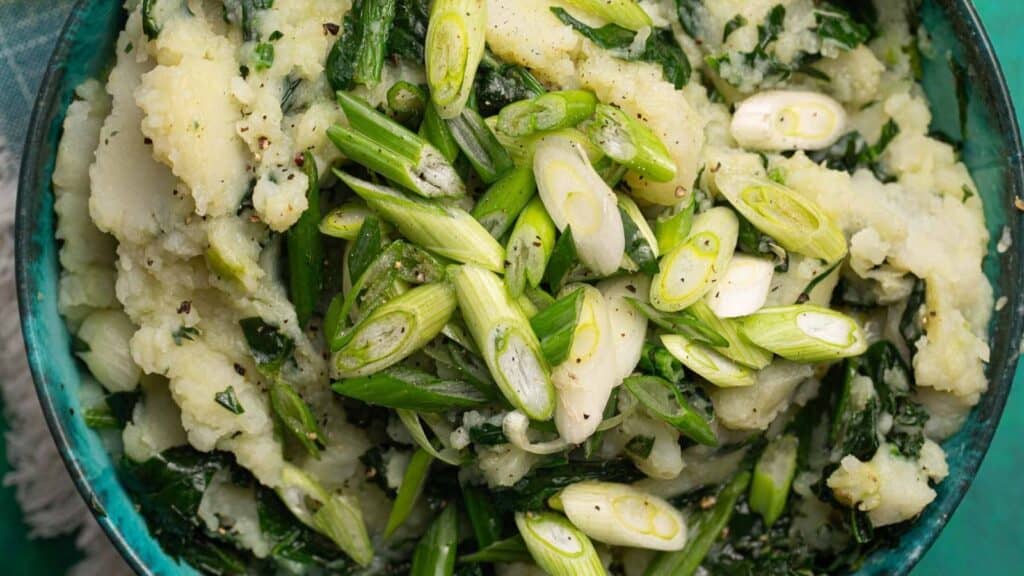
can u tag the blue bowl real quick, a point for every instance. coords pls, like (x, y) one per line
(992, 152)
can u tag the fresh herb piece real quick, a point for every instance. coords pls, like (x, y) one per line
(409, 33)
(262, 56)
(487, 434)
(296, 416)
(269, 347)
(851, 152)
(499, 84)
(737, 22)
(229, 401)
(910, 323)
(638, 248)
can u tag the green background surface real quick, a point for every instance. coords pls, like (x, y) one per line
(985, 535)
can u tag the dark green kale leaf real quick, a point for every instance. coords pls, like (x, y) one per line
(294, 543)
(487, 435)
(851, 152)
(661, 47)
(533, 491)
(689, 12)
(269, 347)
(341, 61)
(498, 84)
(409, 34)
(910, 322)
(839, 26)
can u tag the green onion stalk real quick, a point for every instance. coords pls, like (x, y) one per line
(454, 47)
(796, 222)
(558, 547)
(694, 267)
(805, 333)
(625, 13)
(345, 221)
(505, 339)
(305, 249)
(529, 247)
(445, 230)
(547, 112)
(708, 363)
(629, 142)
(502, 203)
(376, 17)
(388, 148)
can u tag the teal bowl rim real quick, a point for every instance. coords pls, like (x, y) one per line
(141, 550)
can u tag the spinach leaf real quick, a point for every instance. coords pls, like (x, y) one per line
(851, 152)
(409, 34)
(269, 347)
(340, 68)
(910, 322)
(533, 491)
(487, 434)
(499, 84)
(839, 26)
(660, 48)
(294, 543)
(689, 12)
(227, 399)
(168, 489)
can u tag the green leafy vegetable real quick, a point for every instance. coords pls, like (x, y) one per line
(411, 389)
(556, 326)
(229, 401)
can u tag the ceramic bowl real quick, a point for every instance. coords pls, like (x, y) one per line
(992, 152)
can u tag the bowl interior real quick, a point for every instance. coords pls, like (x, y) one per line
(962, 62)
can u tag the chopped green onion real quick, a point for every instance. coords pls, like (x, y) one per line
(673, 225)
(336, 515)
(388, 148)
(737, 347)
(445, 230)
(296, 416)
(345, 221)
(708, 363)
(563, 260)
(557, 546)
(773, 478)
(805, 333)
(454, 48)
(630, 143)
(685, 323)
(705, 530)
(438, 548)
(641, 245)
(409, 491)
(529, 247)
(305, 249)
(796, 222)
(406, 102)
(376, 18)
(395, 330)
(786, 120)
(665, 401)
(412, 423)
(435, 130)
(482, 148)
(508, 550)
(499, 207)
(628, 325)
(506, 341)
(402, 387)
(743, 288)
(556, 326)
(547, 112)
(625, 13)
(576, 197)
(622, 515)
(483, 517)
(693, 268)
(587, 376)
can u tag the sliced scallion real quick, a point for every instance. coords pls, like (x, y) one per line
(558, 547)
(625, 13)
(805, 333)
(692, 269)
(673, 225)
(481, 147)
(630, 143)
(665, 401)
(547, 112)
(556, 326)
(435, 130)
(454, 47)
(502, 203)
(737, 347)
(345, 221)
(438, 548)
(375, 17)
(305, 249)
(409, 491)
(403, 387)
(621, 515)
(411, 421)
(796, 222)
(445, 230)
(388, 148)
(708, 363)
(529, 247)
(506, 341)
(395, 330)
(773, 478)
(641, 245)
(685, 323)
(576, 197)
(508, 550)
